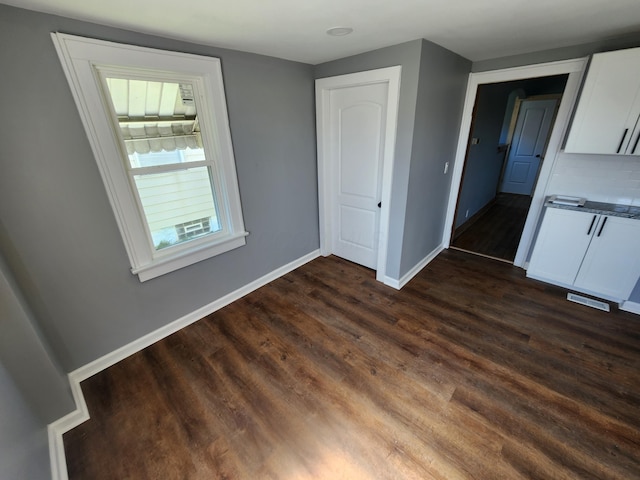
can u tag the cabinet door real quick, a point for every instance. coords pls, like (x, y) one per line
(612, 263)
(607, 113)
(561, 245)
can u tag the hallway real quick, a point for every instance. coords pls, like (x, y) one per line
(496, 234)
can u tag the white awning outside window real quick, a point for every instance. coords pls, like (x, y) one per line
(155, 116)
(145, 137)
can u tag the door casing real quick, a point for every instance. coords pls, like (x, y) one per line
(575, 69)
(391, 76)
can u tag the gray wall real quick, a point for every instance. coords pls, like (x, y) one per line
(483, 163)
(441, 91)
(635, 294)
(26, 355)
(431, 97)
(565, 53)
(66, 252)
(408, 56)
(24, 452)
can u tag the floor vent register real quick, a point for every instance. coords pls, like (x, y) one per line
(589, 302)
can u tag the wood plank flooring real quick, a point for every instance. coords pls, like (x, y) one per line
(471, 371)
(497, 233)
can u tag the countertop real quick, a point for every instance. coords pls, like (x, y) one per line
(611, 209)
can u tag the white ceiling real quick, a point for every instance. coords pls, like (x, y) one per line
(295, 29)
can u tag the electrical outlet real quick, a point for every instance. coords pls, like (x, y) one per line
(446, 167)
(475, 141)
(466, 215)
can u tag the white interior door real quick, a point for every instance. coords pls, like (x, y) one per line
(527, 148)
(357, 143)
(356, 119)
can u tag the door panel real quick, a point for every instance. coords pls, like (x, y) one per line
(357, 143)
(529, 141)
(562, 242)
(520, 171)
(612, 264)
(360, 138)
(357, 227)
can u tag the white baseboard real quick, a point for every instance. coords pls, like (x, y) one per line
(398, 284)
(628, 306)
(81, 414)
(58, 428)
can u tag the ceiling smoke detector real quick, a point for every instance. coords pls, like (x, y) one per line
(339, 31)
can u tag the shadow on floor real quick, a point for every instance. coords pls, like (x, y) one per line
(497, 233)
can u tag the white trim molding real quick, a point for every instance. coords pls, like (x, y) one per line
(406, 278)
(88, 64)
(390, 76)
(575, 69)
(81, 413)
(629, 306)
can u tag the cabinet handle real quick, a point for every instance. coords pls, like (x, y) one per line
(635, 144)
(602, 226)
(624, 135)
(593, 220)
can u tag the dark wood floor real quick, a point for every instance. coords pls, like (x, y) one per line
(497, 233)
(471, 371)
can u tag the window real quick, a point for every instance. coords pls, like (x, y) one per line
(158, 127)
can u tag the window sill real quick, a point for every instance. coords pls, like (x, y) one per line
(188, 257)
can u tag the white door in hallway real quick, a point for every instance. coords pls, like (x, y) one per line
(356, 141)
(357, 144)
(530, 137)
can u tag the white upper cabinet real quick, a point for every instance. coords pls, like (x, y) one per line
(606, 119)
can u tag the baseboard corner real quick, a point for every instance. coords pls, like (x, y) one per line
(58, 428)
(406, 278)
(55, 431)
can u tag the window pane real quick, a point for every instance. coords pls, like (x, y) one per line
(179, 205)
(154, 159)
(157, 120)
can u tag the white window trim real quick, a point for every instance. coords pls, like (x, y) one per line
(79, 57)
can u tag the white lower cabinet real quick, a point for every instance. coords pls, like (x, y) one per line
(592, 253)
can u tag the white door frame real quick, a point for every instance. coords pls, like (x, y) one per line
(575, 69)
(391, 76)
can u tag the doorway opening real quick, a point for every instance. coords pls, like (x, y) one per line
(510, 130)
